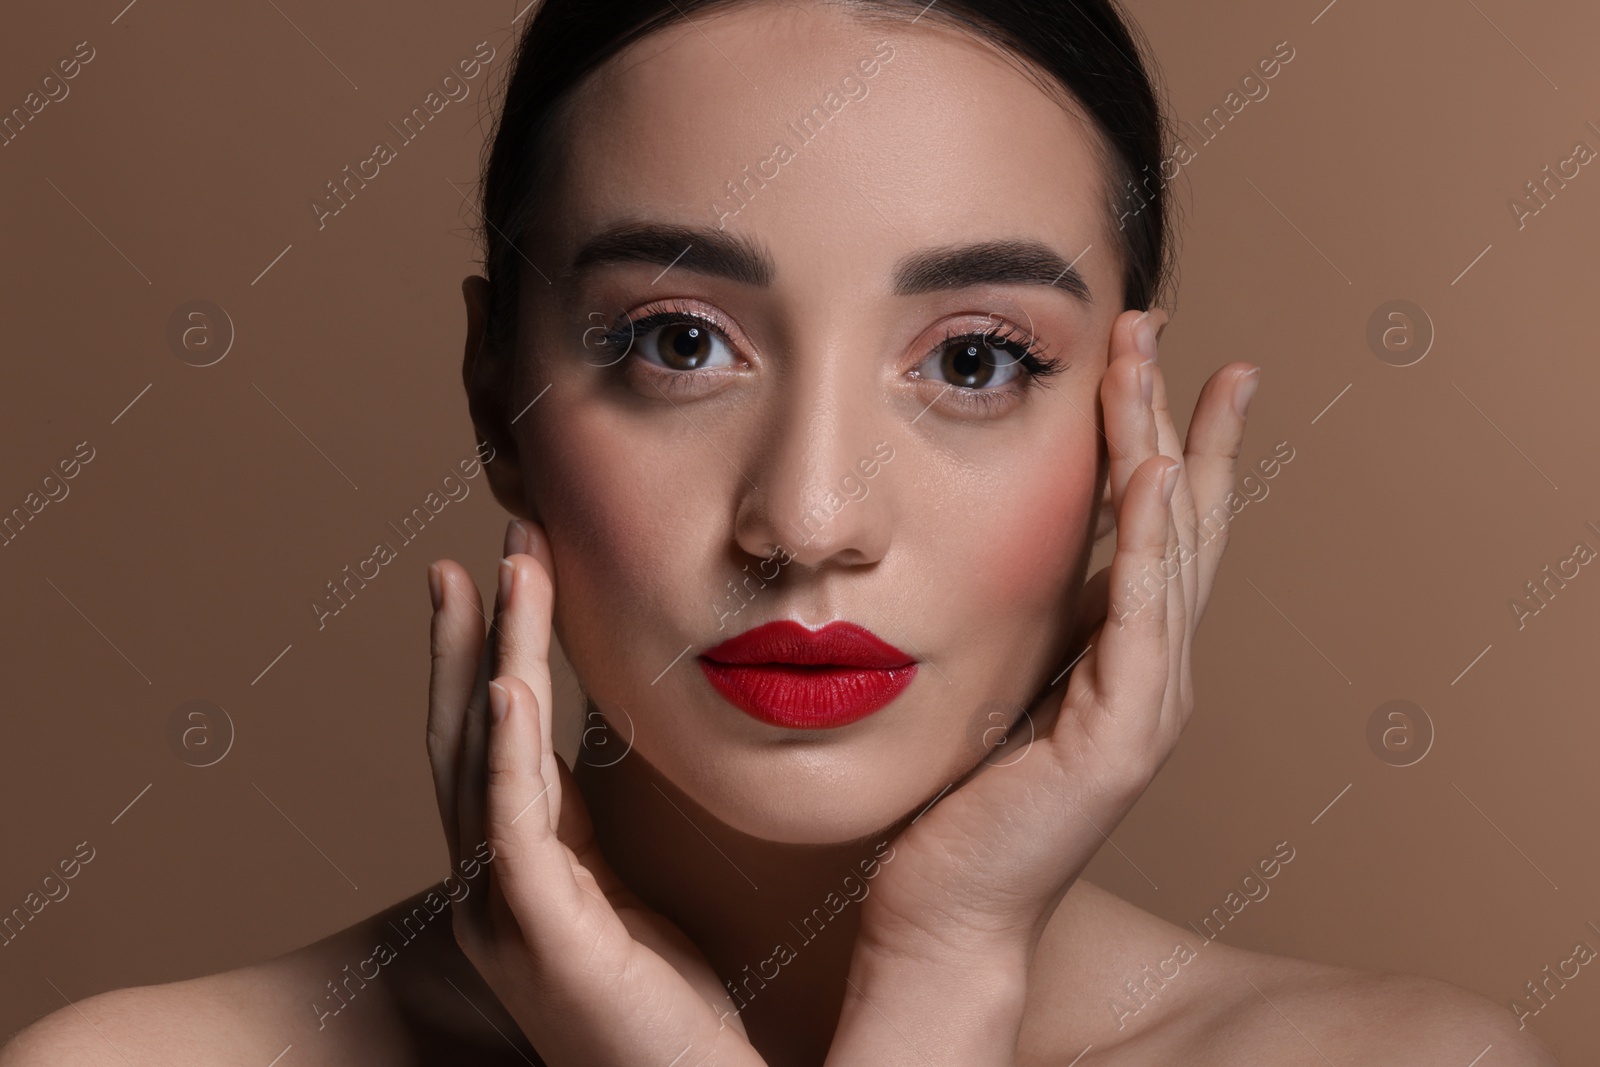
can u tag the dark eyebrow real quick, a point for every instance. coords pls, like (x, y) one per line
(725, 255)
(703, 251)
(1011, 262)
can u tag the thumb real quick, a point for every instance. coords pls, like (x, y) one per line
(1091, 609)
(575, 829)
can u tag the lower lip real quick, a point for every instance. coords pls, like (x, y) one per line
(807, 698)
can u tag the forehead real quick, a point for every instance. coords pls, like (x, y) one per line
(830, 135)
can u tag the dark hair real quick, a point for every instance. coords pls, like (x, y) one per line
(1086, 46)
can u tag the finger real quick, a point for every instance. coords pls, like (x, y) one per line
(1135, 434)
(576, 831)
(1132, 663)
(456, 643)
(1088, 614)
(528, 599)
(1167, 439)
(1176, 567)
(1216, 435)
(1170, 444)
(1175, 703)
(1090, 610)
(1130, 431)
(1177, 577)
(532, 869)
(472, 774)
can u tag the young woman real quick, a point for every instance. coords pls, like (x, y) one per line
(817, 349)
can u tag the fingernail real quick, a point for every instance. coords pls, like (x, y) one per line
(1169, 482)
(1144, 336)
(508, 571)
(499, 701)
(435, 586)
(514, 539)
(1245, 390)
(1147, 379)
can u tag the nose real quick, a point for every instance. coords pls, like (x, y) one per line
(817, 491)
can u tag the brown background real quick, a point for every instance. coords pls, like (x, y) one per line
(217, 506)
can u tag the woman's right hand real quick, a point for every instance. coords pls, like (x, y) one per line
(590, 975)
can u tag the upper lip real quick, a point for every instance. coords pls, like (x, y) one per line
(839, 643)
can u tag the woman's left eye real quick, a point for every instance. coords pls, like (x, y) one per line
(984, 360)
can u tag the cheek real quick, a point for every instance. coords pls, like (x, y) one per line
(1008, 556)
(1024, 540)
(634, 528)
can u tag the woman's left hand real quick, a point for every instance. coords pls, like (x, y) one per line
(948, 932)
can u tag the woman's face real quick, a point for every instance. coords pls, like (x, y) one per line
(818, 449)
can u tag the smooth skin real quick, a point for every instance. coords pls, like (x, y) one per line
(559, 947)
(592, 977)
(619, 897)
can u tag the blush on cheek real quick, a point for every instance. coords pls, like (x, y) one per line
(1031, 537)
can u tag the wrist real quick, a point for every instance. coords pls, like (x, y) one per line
(945, 1005)
(940, 942)
(998, 970)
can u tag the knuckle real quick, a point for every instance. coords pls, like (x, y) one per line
(515, 646)
(1121, 766)
(1122, 773)
(442, 641)
(535, 583)
(502, 768)
(440, 743)
(1126, 777)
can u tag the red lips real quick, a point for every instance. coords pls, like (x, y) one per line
(786, 675)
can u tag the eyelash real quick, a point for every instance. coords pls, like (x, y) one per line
(1028, 353)
(627, 331)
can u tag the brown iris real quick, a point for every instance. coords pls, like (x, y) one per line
(967, 364)
(684, 346)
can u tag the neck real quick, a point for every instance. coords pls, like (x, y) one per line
(778, 922)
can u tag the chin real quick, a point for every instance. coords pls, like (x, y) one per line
(795, 792)
(804, 812)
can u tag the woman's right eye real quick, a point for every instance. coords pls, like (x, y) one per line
(673, 341)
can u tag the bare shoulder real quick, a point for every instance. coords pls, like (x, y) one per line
(311, 1001)
(1158, 993)
(1298, 1011)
